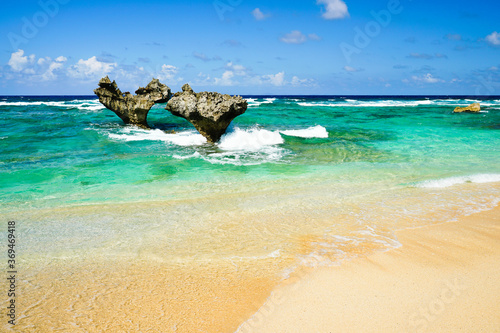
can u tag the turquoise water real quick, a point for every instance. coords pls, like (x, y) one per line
(327, 166)
(64, 151)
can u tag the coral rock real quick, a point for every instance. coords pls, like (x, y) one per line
(210, 112)
(132, 109)
(474, 107)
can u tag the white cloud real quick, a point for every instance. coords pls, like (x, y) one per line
(239, 70)
(43, 69)
(294, 37)
(53, 66)
(350, 69)
(202, 79)
(276, 79)
(91, 68)
(426, 78)
(493, 38)
(168, 73)
(225, 80)
(49, 73)
(259, 15)
(297, 37)
(239, 75)
(302, 82)
(313, 37)
(231, 71)
(18, 61)
(334, 9)
(42, 61)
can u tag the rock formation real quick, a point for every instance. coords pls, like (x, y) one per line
(132, 109)
(210, 112)
(474, 107)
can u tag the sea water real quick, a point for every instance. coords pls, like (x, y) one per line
(306, 180)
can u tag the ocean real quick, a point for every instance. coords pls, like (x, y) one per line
(296, 181)
(346, 170)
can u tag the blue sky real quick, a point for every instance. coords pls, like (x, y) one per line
(349, 47)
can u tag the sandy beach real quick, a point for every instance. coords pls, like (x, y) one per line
(443, 279)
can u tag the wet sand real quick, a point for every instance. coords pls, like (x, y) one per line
(443, 279)
(120, 297)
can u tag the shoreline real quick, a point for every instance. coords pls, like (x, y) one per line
(444, 278)
(147, 292)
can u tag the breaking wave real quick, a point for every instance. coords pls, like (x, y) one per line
(451, 181)
(88, 105)
(239, 146)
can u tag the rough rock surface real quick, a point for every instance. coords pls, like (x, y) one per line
(474, 107)
(156, 91)
(210, 112)
(132, 109)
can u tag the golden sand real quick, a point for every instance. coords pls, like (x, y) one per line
(118, 297)
(407, 289)
(443, 279)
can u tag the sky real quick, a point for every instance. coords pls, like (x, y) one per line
(281, 47)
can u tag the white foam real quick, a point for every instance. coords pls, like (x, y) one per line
(388, 103)
(255, 102)
(451, 181)
(31, 103)
(186, 157)
(356, 103)
(250, 140)
(242, 157)
(244, 147)
(317, 131)
(189, 138)
(238, 147)
(89, 105)
(314, 104)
